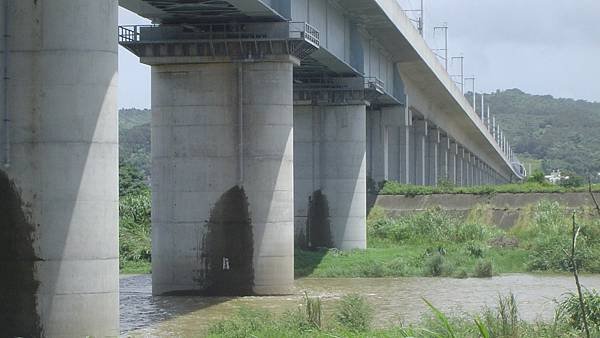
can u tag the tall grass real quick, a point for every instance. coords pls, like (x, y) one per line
(134, 231)
(395, 188)
(353, 318)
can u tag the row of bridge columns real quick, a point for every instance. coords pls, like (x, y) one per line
(238, 168)
(412, 150)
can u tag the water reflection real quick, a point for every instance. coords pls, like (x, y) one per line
(396, 299)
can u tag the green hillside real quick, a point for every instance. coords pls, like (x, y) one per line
(134, 140)
(545, 131)
(553, 133)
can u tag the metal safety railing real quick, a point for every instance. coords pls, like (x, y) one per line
(375, 84)
(129, 33)
(222, 31)
(304, 31)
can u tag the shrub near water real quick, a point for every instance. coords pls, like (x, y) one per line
(134, 231)
(570, 310)
(548, 236)
(354, 313)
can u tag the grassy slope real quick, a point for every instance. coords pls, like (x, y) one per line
(402, 260)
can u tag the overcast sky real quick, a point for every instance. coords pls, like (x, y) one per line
(540, 46)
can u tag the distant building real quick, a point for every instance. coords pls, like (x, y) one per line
(555, 177)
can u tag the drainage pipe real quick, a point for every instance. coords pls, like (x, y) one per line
(5, 89)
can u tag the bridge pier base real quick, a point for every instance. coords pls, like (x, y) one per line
(330, 173)
(433, 154)
(59, 265)
(222, 181)
(421, 132)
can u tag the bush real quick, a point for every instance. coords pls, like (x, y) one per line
(550, 235)
(570, 310)
(134, 228)
(504, 321)
(483, 269)
(436, 266)
(354, 313)
(243, 324)
(313, 310)
(537, 177)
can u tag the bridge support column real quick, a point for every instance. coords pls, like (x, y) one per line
(433, 156)
(452, 163)
(421, 134)
(307, 187)
(468, 171)
(460, 169)
(393, 118)
(444, 171)
(377, 146)
(59, 269)
(475, 170)
(405, 147)
(223, 177)
(343, 173)
(330, 175)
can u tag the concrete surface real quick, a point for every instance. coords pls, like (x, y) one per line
(502, 209)
(59, 232)
(199, 161)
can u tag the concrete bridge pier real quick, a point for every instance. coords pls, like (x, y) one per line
(405, 146)
(223, 176)
(452, 162)
(460, 168)
(444, 158)
(330, 174)
(59, 266)
(376, 146)
(467, 167)
(433, 154)
(343, 173)
(421, 135)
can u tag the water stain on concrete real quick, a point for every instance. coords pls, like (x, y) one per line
(18, 286)
(319, 224)
(229, 246)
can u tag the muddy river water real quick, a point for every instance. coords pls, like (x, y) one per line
(396, 300)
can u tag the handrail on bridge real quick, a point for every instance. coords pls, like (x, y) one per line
(227, 31)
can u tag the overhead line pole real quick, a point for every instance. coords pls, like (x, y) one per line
(462, 73)
(445, 49)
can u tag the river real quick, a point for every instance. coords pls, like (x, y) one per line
(396, 300)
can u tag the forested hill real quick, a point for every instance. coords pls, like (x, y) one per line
(562, 133)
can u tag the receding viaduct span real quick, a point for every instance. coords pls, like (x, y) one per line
(269, 119)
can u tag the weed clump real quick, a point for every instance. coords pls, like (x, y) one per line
(354, 313)
(569, 309)
(483, 269)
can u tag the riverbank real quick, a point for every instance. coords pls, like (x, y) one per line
(435, 243)
(396, 301)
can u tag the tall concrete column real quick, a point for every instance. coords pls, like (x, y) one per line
(444, 149)
(59, 275)
(476, 171)
(433, 156)
(452, 163)
(405, 147)
(307, 187)
(421, 134)
(393, 119)
(468, 169)
(223, 177)
(343, 173)
(376, 146)
(460, 170)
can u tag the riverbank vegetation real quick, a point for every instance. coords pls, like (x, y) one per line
(134, 224)
(353, 317)
(395, 188)
(436, 243)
